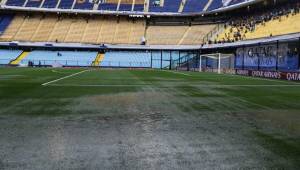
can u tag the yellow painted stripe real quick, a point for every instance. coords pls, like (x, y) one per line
(19, 58)
(99, 58)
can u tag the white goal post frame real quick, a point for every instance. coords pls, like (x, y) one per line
(217, 56)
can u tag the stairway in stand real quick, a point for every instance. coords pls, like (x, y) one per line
(22, 56)
(99, 58)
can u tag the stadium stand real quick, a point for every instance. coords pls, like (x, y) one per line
(283, 25)
(215, 4)
(33, 3)
(5, 20)
(6, 56)
(66, 4)
(126, 59)
(194, 5)
(159, 6)
(65, 58)
(67, 29)
(180, 35)
(125, 5)
(21, 57)
(83, 4)
(99, 58)
(278, 21)
(164, 6)
(233, 2)
(50, 3)
(138, 5)
(15, 2)
(36, 28)
(109, 5)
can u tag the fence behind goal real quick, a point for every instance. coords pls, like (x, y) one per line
(216, 62)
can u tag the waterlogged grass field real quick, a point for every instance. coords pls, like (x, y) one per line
(146, 119)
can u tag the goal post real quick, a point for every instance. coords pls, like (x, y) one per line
(216, 62)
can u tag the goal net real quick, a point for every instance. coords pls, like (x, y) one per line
(216, 62)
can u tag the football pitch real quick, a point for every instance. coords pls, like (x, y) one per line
(146, 119)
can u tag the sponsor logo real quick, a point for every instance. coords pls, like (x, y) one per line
(242, 72)
(291, 76)
(266, 74)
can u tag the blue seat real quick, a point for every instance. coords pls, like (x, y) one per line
(33, 3)
(138, 7)
(194, 5)
(108, 7)
(5, 20)
(233, 2)
(7, 55)
(65, 58)
(126, 59)
(125, 7)
(50, 3)
(215, 5)
(66, 4)
(15, 2)
(169, 6)
(84, 4)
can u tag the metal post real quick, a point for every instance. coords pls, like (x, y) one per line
(243, 63)
(299, 54)
(219, 64)
(170, 68)
(188, 62)
(151, 64)
(161, 59)
(277, 54)
(179, 60)
(258, 56)
(200, 63)
(234, 64)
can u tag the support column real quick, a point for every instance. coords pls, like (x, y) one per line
(179, 60)
(243, 63)
(188, 62)
(200, 63)
(258, 66)
(299, 54)
(151, 62)
(277, 52)
(219, 64)
(170, 67)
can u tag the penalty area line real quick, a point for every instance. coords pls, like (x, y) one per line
(100, 85)
(65, 77)
(195, 85)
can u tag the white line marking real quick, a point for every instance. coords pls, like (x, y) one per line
(44, 84)
(176, 72)
(11, 75)
(100, 85)
(208, 85)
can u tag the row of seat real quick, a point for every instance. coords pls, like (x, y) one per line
(4, 22)
(78, 58)
(178, 35)
(98, 30)
(284, 25)
(126, 5)
(53, 29)
(278, 26)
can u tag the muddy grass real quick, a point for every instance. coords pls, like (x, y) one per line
(167, 125)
